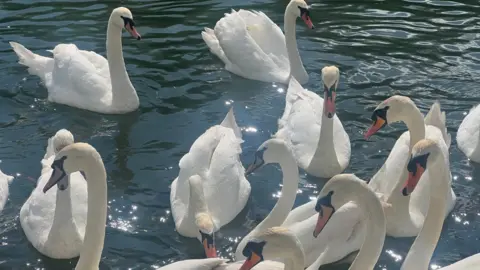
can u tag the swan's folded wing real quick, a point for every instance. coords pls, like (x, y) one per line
(226, 181)
(99, 62)
(243, 51)
(268, 36)
(75, 78)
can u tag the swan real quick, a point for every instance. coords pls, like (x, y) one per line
(54, 223)
(254, 47)
(274, 243)
(5, 181)
(427, 155)
(310, 124)
(468, 135)
(85, 79)
(211, 188)
(82, 157)
(406, 215)
(340, 190)
(347, 218)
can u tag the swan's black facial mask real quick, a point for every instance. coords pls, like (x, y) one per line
(379, 118)
(325, 211)
(305, 15)
(59, 176)
(129, 25)
(257, 163)
(253, 251)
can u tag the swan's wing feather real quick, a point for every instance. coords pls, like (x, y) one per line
(74, 77)
(99, 62)
(268, 36)
(226, 181)
(243, 51)
(300, 213)
(229, 122)
(468, 134)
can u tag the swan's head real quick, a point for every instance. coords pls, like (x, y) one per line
(271, 151)
(206, 228)
(389, 111)
(299, 8)
(330, 77)
(73, 158)
(62, 139)
(122, 17)
(424, 152)
(275, 242)
(331, 197)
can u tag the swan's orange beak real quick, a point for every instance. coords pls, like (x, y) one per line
(329, 103)
(210, 250)
(324, 216)
(376, 126)
(131, 29)
(253, 260)
(308, 21)
(413, 179)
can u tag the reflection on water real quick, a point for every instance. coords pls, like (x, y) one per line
(425, 49)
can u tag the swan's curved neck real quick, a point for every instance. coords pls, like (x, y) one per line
(63, 208)
(197, 203)
(400, 209)
(284, 204)
(97, 215)
(124, 95)
(422, 249)
(289, 191)
(325, 152)
(296, 260)
(375, 229)
(296, 66)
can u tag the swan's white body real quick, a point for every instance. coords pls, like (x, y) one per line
(85, 79)
(219, 264)
(320, 144)
(54, 223)
(254, 47)
(5, 181)
(83, 157)
(406, 215)
(422, 249)
(468, 135)
(214, 156)
(302, 220)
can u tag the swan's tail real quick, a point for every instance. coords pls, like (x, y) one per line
(212, 42)
(37, 64)
(435, 117)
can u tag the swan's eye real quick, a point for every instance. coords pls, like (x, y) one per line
(380, 113)
(418, 160)
(304, 11)
(128, 21)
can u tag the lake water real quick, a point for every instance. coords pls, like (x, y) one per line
(425, 49)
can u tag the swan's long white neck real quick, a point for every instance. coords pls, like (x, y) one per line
(97, 215)
(284, 204)
(63, 209)
(422, 249)
(372, 246)
(296, 65)
(124, 96)
(325, 152)
(296, 261)
(400, 210)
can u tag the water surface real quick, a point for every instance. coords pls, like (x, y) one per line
(428, 50)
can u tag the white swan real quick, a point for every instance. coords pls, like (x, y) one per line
(406, 215)
(468, 135)
(254, 47)
(339, 191)
(5, 181)
(310, 124)
(85, 79)
(347, 218)
(427, 155)
(274, 243)
(84, 158)
(211, 188)
(54, 223)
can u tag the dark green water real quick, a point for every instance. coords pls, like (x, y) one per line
(426, 49)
